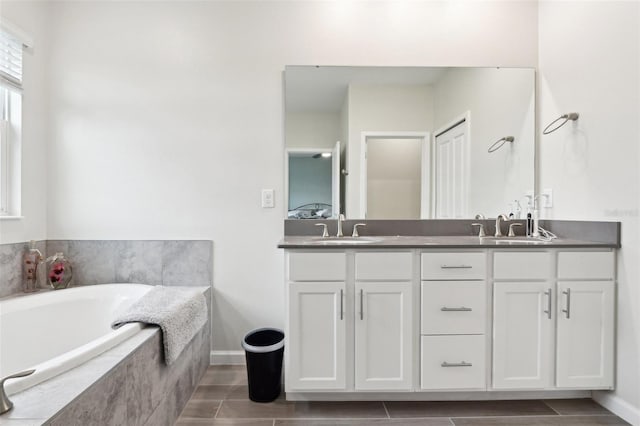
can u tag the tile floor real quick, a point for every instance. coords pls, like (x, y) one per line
(222, 399)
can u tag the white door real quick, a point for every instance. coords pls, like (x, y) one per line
(316, 336)
(335, 181)
(585, 334)
(383, 336)
(451, 172)
(522, 327)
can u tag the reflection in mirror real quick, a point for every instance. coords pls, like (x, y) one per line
(459, 112)
(313, 180)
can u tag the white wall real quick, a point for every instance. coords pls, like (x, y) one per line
(167, 117)
(589, 63)
(501, 103)
(32, 18)
(381, 108)
(312, 129)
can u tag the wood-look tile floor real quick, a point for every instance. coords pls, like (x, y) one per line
(222, 398)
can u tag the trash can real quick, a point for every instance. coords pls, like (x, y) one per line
(264, 349)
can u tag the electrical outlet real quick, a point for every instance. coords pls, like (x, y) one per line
(547, 198)
(268, 198)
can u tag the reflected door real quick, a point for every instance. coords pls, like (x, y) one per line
(451, 172)
(393, 178)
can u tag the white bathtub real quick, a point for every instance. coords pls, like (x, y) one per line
(55, 331)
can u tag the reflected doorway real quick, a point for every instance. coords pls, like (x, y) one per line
(395, 175)
(312, 182)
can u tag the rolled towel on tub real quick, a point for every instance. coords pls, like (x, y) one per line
(179, 311)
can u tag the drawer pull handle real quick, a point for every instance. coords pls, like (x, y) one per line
(567, 311)
(456, 364)
(460, 309)
(341, 304)
(548, 311)
(361, 304)
(456, 266)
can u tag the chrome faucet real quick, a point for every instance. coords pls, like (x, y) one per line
(340, 220)
(498, 231)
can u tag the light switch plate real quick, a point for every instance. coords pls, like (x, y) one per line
(268, 198)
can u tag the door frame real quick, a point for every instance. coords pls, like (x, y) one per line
(465, 118)
(425, 172)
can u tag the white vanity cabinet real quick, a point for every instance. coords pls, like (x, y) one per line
(376, 321)
(585, 316)
(316, 325)
(371, 306)
(553, 320)
(383, 321)
(453, 320)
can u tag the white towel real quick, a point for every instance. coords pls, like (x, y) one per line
(179, 311)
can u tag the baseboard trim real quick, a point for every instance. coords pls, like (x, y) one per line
(617, 406)
(227, 358)
(435, 395)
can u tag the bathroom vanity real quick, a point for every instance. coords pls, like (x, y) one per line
(448, 317)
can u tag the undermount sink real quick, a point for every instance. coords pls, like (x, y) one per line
(345, 240)
(515, 240)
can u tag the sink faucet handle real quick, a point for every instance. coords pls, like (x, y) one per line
(325, 232)
(481, 232)
(355, 229)
(511, 233)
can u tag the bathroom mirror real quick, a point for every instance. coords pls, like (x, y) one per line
(414, 142)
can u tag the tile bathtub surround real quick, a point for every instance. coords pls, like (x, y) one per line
(181, 263)
(11, 266)
(221, 398)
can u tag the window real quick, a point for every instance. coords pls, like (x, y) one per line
(10, 122)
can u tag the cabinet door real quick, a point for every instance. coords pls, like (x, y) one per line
(585, 334)
(383, 335)
(522, 327)
(316, 336)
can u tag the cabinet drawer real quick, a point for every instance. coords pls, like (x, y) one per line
(586, 265)
(450, 307)
(317, 266)
(522, 265)
(452, 362)
(384, 266)
(453, 266)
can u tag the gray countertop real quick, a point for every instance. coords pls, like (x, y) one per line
(432, 242)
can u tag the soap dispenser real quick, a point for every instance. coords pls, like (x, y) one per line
(31, 259)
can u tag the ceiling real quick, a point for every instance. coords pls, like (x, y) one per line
(323, 88)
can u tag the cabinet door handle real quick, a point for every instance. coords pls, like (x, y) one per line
(567, 311)
(548, 311)
(456, 266)
(341, 304)
(456, 364)
(460, 309)
(361, 304)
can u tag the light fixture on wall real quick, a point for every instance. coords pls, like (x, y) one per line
(573, 116)
(498, 144)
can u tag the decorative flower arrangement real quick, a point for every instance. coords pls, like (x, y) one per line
(59, 272)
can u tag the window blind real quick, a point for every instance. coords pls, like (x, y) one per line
(10, 59)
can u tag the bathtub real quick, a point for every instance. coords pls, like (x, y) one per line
(55, 331)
